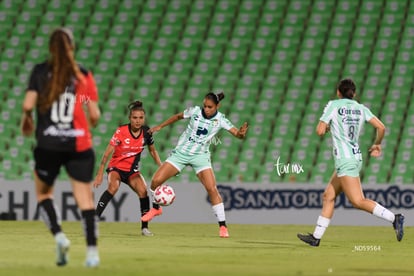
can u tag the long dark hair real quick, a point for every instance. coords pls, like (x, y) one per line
(63, 65)
(347, 88)
(216, 98)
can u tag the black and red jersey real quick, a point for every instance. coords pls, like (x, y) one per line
(64, 127)
(128, 148)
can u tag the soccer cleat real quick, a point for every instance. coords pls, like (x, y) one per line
(224, 233)
(398, 225)
(92, 258)
(146, 232)
(151, 214)
(309, 239)
(62, 249)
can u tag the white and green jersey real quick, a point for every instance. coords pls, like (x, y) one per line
(346, 118)
(200, 130)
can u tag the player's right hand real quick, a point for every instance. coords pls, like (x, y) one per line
(27, 125)
(97, 181)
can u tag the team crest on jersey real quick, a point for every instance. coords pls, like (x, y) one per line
(215, 122)
(127, 141)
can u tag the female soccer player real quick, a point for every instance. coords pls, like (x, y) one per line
(125, 147)
(344, 118)
(193, 149)
(59, 89)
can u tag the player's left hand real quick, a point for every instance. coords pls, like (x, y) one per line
(154, 129)
(375, 150)
(243, 129)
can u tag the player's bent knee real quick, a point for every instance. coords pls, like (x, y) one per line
(113, 189)
(156, 181)
(328, 196)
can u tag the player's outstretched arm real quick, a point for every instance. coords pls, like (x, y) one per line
(241, 132)
(167, 122)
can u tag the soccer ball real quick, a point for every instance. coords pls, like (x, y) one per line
(164, 195)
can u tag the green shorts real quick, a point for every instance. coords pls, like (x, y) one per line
(199, 162)
(348, 167)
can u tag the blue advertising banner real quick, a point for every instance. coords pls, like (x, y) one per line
(243, 197)
(250, 203)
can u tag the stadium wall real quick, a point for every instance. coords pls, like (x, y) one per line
(246, 203)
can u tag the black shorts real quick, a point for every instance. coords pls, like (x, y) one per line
(79, 165)
(124, 175)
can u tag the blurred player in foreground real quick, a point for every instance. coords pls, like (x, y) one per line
(344, 118)
(193, 149)
(125, 147)
(60, 89)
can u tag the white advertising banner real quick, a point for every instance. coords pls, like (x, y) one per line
(251, 203)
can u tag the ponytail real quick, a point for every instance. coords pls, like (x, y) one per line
(64, 68)
(347, 88)
(216, 98)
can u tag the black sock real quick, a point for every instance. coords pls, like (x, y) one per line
(103, 201)
(145, 205)
(90, 226)
(155, 206)
(222, 223)
(50, 216)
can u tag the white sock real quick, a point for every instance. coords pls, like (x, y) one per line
(92, 251)
(218, 211)
(92, 248)
(152, 195)
(60, 236)
(384, 213)
(321, 224)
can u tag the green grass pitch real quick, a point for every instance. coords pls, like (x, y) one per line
(27, 248)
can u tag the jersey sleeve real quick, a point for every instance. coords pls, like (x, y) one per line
(367, 113)
(149, 139)
(225, 123)
(116, 139)
(188, 112)
(327, 113)
(34, 79)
